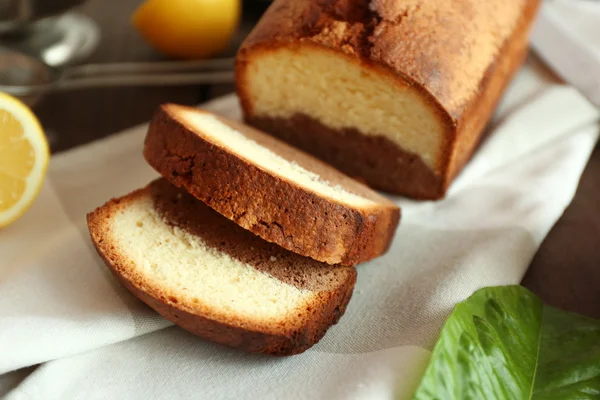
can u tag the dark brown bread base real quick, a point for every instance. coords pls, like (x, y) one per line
(187, 213)
(372, 159)
(271, 207)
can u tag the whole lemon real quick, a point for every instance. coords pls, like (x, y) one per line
(188, 29)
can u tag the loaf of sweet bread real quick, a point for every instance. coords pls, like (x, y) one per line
(396, 93)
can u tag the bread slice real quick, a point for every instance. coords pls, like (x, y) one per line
(215, 279)
(395, 92)
(277, 192)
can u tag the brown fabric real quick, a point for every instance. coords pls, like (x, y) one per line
(427, 47)
(332, 285)
(272, 207)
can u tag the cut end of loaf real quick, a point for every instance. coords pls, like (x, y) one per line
(394, 92)
(342, 93)
(213, 278)
(186, 268)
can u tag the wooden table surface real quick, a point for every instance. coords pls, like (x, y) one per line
(565, 272)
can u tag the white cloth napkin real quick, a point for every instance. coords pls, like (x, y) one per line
(58, 301)
(579, 18)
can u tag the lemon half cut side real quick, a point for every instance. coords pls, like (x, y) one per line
(24, 155)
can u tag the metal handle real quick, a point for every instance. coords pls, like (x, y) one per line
(145, 80)
(134, 74)
(149, 67)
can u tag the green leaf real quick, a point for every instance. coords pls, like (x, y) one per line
(504, 343)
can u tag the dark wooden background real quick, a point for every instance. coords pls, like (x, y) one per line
(565, 272)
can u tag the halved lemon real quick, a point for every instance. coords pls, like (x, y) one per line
(24, 154)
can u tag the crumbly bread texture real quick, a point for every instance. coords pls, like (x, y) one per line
(264, 185)
(394, 92)
(215, 279)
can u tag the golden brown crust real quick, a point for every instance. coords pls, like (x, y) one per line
(271, 207)
(478, 111)
(459, 55)
(284, 338)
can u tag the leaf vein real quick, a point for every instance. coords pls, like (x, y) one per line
(537, 356)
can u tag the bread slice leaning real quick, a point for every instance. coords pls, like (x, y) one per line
(215, 279)
(270, 188)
